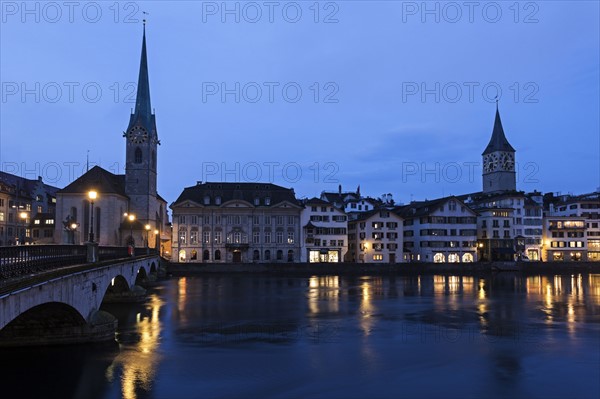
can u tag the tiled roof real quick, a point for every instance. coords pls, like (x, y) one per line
(237, 191)
(423, 208)
(98, 179)
(26, 186)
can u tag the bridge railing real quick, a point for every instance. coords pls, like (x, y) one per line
(26, 259)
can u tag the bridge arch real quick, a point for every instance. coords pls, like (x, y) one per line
(75, 297)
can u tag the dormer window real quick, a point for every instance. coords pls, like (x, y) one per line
(267, 201)
(256, 201)
(218, 200)
(206, 200)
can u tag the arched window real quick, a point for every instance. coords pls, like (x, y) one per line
(138, 155)
(453, 258)
(439, 258)
(194, 255)
(467, 258)
(256, 255)
(267, 255)
(217, 255)
(290, 255)
(279, 254)
(182, 255)
(74, 213)
(206, 255)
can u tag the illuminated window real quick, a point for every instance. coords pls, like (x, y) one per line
(439, 258)
(377, 257)
(194, 236)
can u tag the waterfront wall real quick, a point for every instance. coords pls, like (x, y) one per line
(183, 269)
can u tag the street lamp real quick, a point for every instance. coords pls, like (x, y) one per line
(73, 227)
(23, 216)
(131, 218)
(147, 227)
(92, 195)
(156, 238)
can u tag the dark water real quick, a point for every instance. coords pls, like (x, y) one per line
(335, 337)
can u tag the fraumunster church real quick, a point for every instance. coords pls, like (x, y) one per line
(128, 208)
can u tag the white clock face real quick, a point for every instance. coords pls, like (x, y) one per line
(138, 135)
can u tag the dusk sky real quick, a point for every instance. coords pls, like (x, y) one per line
(387, 95)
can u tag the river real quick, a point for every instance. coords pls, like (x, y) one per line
(236, 336)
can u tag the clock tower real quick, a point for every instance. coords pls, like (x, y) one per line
(141, 144)
(499, 161)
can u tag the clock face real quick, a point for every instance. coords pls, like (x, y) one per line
(507, 161)
(138, 135)
(487, 164)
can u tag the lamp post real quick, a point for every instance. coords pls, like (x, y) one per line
(131, 218)
(147, 228)
(73, 227)
(92, 195)
(156, 238)
(23, 217)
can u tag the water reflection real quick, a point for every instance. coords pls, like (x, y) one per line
(257, 336)
(136, 366)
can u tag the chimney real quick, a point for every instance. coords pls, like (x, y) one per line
(340, 188)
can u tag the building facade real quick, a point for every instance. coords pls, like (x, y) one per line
(375, 237)
(565, 239)
(236, 223)
(324, 232)
(27, 210)
(441, 230)
(586, 207)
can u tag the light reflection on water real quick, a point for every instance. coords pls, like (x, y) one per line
(330, 336)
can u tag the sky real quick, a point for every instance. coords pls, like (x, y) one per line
(395, 96)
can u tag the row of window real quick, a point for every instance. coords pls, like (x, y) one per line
(496, 223)
(566, 244)
(378, 246)
(446, 220)
(217, 255)
(496, 234)
(234, 237)
(323, 209)
(325, 218)
(323, 231)
(452, 258)
(443, 232)
(236, 219)
(570, 234)
(378, 225)
(323, 243)
(567, 224)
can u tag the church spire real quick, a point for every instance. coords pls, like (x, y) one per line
(498, 142)
(142, 102)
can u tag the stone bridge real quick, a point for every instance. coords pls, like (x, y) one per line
(63, 305)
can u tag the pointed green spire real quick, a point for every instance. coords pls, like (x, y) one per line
(142, 102)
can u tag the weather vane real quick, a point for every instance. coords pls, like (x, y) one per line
(145, 13)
